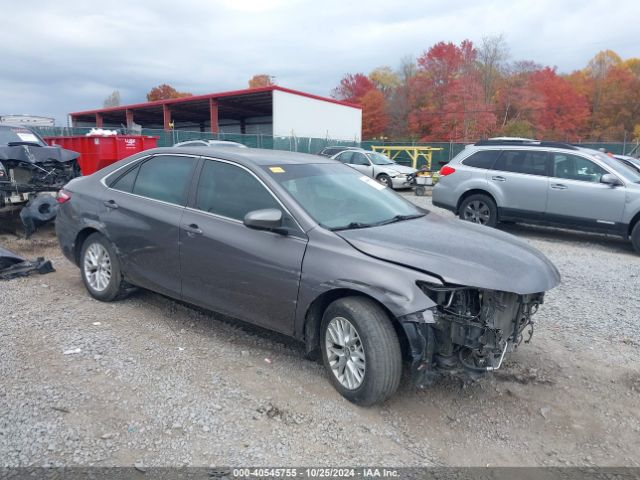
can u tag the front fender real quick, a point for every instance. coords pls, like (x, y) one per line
(330, 263)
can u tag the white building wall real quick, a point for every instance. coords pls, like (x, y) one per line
(302, 116)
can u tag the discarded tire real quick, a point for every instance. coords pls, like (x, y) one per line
(43, 208)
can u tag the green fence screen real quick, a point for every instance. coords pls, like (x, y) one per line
(167, 138)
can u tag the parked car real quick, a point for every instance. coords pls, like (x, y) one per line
(331, 151)
(311, 248)
(31, 172)
(210, 143)
(542, 182)
(378, 166)
(631, 162)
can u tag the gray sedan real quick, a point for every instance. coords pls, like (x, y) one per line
(308, 247)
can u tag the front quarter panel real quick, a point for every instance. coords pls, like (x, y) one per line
(330, 263)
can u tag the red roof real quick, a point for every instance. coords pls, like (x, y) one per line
(173, 101)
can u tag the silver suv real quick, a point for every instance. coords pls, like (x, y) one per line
(378, 166)
(542, 182)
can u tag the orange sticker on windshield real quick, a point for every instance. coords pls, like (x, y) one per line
(277, 169)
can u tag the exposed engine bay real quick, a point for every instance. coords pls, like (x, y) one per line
(30, 173)
(470, 330)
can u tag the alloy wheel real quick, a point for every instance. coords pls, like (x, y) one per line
(97, 267)
(345, 353)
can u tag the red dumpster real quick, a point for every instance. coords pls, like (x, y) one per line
(97, 152)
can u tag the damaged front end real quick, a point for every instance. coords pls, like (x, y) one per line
(469, 331)
(30, 173)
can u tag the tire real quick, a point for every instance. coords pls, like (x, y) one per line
(385, 180)
(94, 248)
(376, 350)
(479, 208)
(635, 237)
(43, 208)
(420, 191)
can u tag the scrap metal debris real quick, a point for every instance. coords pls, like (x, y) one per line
(13, 266)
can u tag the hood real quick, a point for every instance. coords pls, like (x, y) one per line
(34, 154)
(398, 168)
(459, 252)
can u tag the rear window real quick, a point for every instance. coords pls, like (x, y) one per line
(482, 159)
(523, 161)
(164, 177)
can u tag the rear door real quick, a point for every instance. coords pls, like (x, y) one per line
(230, 268)
(577, 197)
(145, 204)
(520, 180)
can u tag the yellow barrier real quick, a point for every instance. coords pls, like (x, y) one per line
(414, 153)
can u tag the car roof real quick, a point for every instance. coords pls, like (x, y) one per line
(247, 156)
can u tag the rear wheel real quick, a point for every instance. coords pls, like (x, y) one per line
(100, 269)
(479, 208)
(361, 350)
(635, 236)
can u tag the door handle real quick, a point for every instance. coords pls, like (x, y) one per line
(192, 229)
(559, 186)
(498, 178)
(111, 204)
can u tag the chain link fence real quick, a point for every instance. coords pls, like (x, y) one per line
(167, 138)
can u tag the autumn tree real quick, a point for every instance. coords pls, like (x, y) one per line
(353, 87)
(374, 114)
(398, 104)
(447, 95)
(563, 112)
(165, 92)
(384, 79)
(261, 80)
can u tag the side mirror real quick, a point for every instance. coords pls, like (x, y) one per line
(266, 219)
(610, 179)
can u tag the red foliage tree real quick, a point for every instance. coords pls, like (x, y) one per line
(165, 92)
(374, 114)
(447, 98)
(353, 87)
(564, 111)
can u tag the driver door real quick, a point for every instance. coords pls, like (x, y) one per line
(360, 162)
(227, 267)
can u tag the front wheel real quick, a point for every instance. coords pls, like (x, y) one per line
(361, 350)
(385, 180)
(479, 208)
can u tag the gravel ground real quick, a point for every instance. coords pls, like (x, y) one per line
(148, 381)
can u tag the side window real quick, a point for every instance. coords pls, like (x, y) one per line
(359, 159)
(231, 191)
(523, 161)
(125, 182)
(573, 167)
(165, 178)
(482, 159)
(345, 157)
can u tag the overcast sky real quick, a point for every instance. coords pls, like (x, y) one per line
(64, 56)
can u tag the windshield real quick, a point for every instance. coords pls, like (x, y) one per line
(621, 168)
(380, 159)
(19, 135)
(338, 198)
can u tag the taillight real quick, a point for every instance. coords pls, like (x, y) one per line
(446, 170)
(63, 196)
